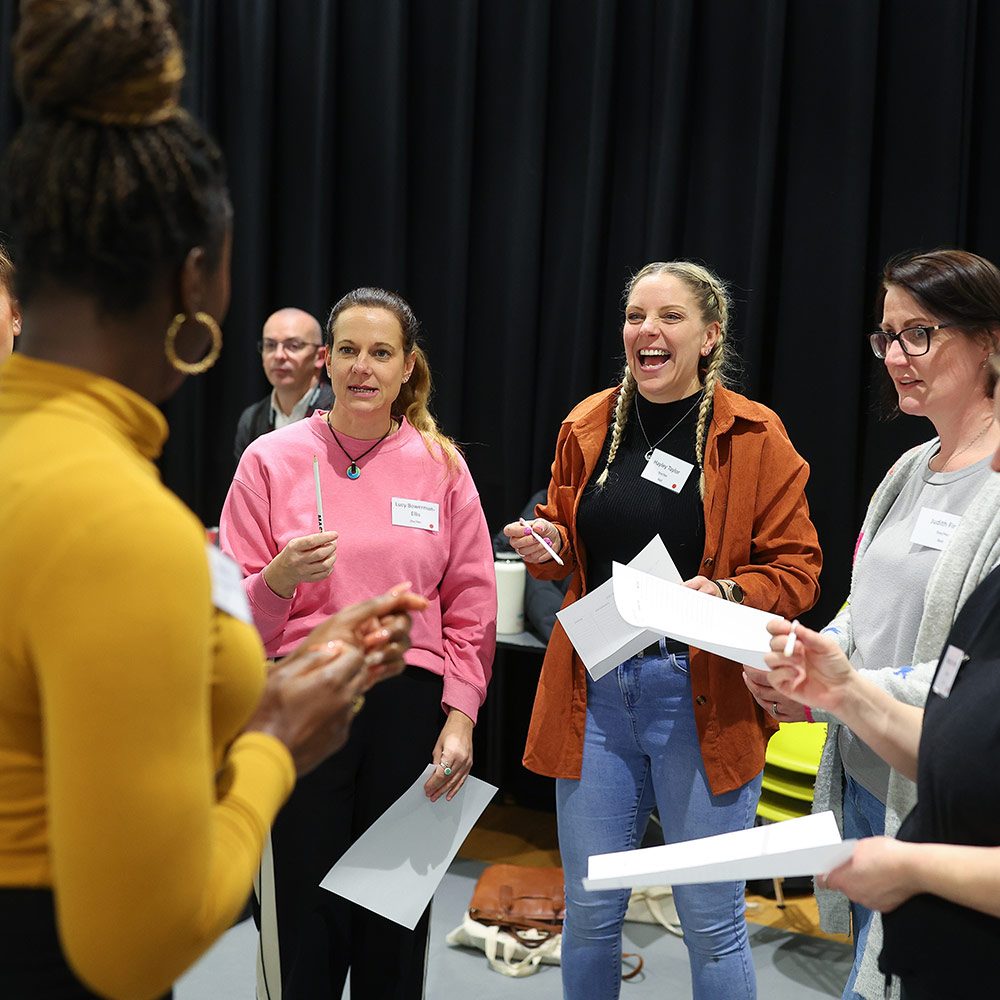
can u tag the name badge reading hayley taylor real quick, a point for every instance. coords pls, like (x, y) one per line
(947, 670)
(666, 471)
(934, 528)
(415, 514)
(227, 585)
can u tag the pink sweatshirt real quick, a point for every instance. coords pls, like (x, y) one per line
(273, 499)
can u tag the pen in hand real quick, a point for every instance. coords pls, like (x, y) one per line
(790, 641)
(319, 495)
(544, 541)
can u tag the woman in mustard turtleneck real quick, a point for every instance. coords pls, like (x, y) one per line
(143, 753)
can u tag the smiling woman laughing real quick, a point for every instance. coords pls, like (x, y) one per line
(669, 451)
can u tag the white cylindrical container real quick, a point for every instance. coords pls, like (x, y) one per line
(510, 593)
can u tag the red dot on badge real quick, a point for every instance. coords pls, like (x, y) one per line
(674, 487)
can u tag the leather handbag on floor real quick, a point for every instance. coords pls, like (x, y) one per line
(515, 917)
(519, 899)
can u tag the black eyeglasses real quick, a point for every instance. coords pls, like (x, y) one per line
(914, 340)
(289, 346)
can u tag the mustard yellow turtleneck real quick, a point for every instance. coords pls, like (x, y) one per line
(123, 783)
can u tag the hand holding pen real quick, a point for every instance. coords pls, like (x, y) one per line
(535, 541)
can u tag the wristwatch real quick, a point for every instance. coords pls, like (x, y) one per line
(731, 590)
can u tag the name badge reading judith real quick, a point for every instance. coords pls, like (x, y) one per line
(666, 471)
(415, 514)
(934, 528)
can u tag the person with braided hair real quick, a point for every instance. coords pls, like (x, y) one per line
(10, 311)
(670, 451)
(145, 749)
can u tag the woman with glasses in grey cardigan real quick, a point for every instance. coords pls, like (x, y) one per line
(930, 536)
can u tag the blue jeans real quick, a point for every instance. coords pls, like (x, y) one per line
(640, 749)
(864, 816)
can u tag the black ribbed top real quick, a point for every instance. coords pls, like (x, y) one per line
(615, 522)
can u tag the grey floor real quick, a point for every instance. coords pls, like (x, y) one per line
(789, 966)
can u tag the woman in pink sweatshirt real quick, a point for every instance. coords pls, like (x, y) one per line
(399, 503)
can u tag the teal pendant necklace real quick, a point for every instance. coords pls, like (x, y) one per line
(354, 470)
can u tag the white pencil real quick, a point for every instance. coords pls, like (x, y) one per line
(790, 641)
(544, 541)
(319, 495)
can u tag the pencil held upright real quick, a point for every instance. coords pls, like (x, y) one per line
(319, 493)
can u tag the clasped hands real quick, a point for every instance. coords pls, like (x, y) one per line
(312, 695)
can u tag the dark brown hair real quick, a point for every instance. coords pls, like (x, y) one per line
(109, 183)
(958, 287)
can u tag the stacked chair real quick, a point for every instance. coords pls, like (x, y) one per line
(790, 766)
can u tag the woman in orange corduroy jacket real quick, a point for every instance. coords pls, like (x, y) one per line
(669, 451)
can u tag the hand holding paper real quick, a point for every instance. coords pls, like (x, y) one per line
(396, 865)
(601, 637)
(731, 630)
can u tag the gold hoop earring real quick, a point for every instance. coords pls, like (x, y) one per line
(195, 367)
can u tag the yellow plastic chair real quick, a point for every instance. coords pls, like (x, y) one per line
(790, 766)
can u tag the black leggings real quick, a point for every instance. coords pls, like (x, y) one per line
(321, 935)
(32, 963)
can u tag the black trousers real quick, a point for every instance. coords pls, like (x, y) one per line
(321, 935)
(32, 963)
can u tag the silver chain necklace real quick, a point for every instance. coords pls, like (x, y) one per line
(962, 450)
(652, 447)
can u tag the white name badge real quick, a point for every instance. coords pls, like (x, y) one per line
(415, 514)
(947, 670)
(934, 528)
(667, 471)
(227, 585)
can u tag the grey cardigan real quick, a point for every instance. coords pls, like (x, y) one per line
(970, 554)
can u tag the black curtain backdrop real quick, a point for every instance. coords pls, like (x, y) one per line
(506, 164)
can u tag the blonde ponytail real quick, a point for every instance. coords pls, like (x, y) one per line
(412, 402)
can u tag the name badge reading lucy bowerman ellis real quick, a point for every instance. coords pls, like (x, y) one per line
(666, 471)
(415, 514)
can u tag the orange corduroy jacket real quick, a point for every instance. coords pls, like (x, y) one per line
(757, 532)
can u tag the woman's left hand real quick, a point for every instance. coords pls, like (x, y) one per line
(878, 874)
(704, 585)
(770, 698)
(452, 757)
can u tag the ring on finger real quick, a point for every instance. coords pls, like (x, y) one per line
(446, 767)
(774, 709)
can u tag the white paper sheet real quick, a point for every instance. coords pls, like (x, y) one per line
(701, 620)
(396, 865)
(599, 634)
(808, 845)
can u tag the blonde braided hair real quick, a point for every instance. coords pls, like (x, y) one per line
(626, 393)
(713, 301)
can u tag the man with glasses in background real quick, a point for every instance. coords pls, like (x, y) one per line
(294, 357)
